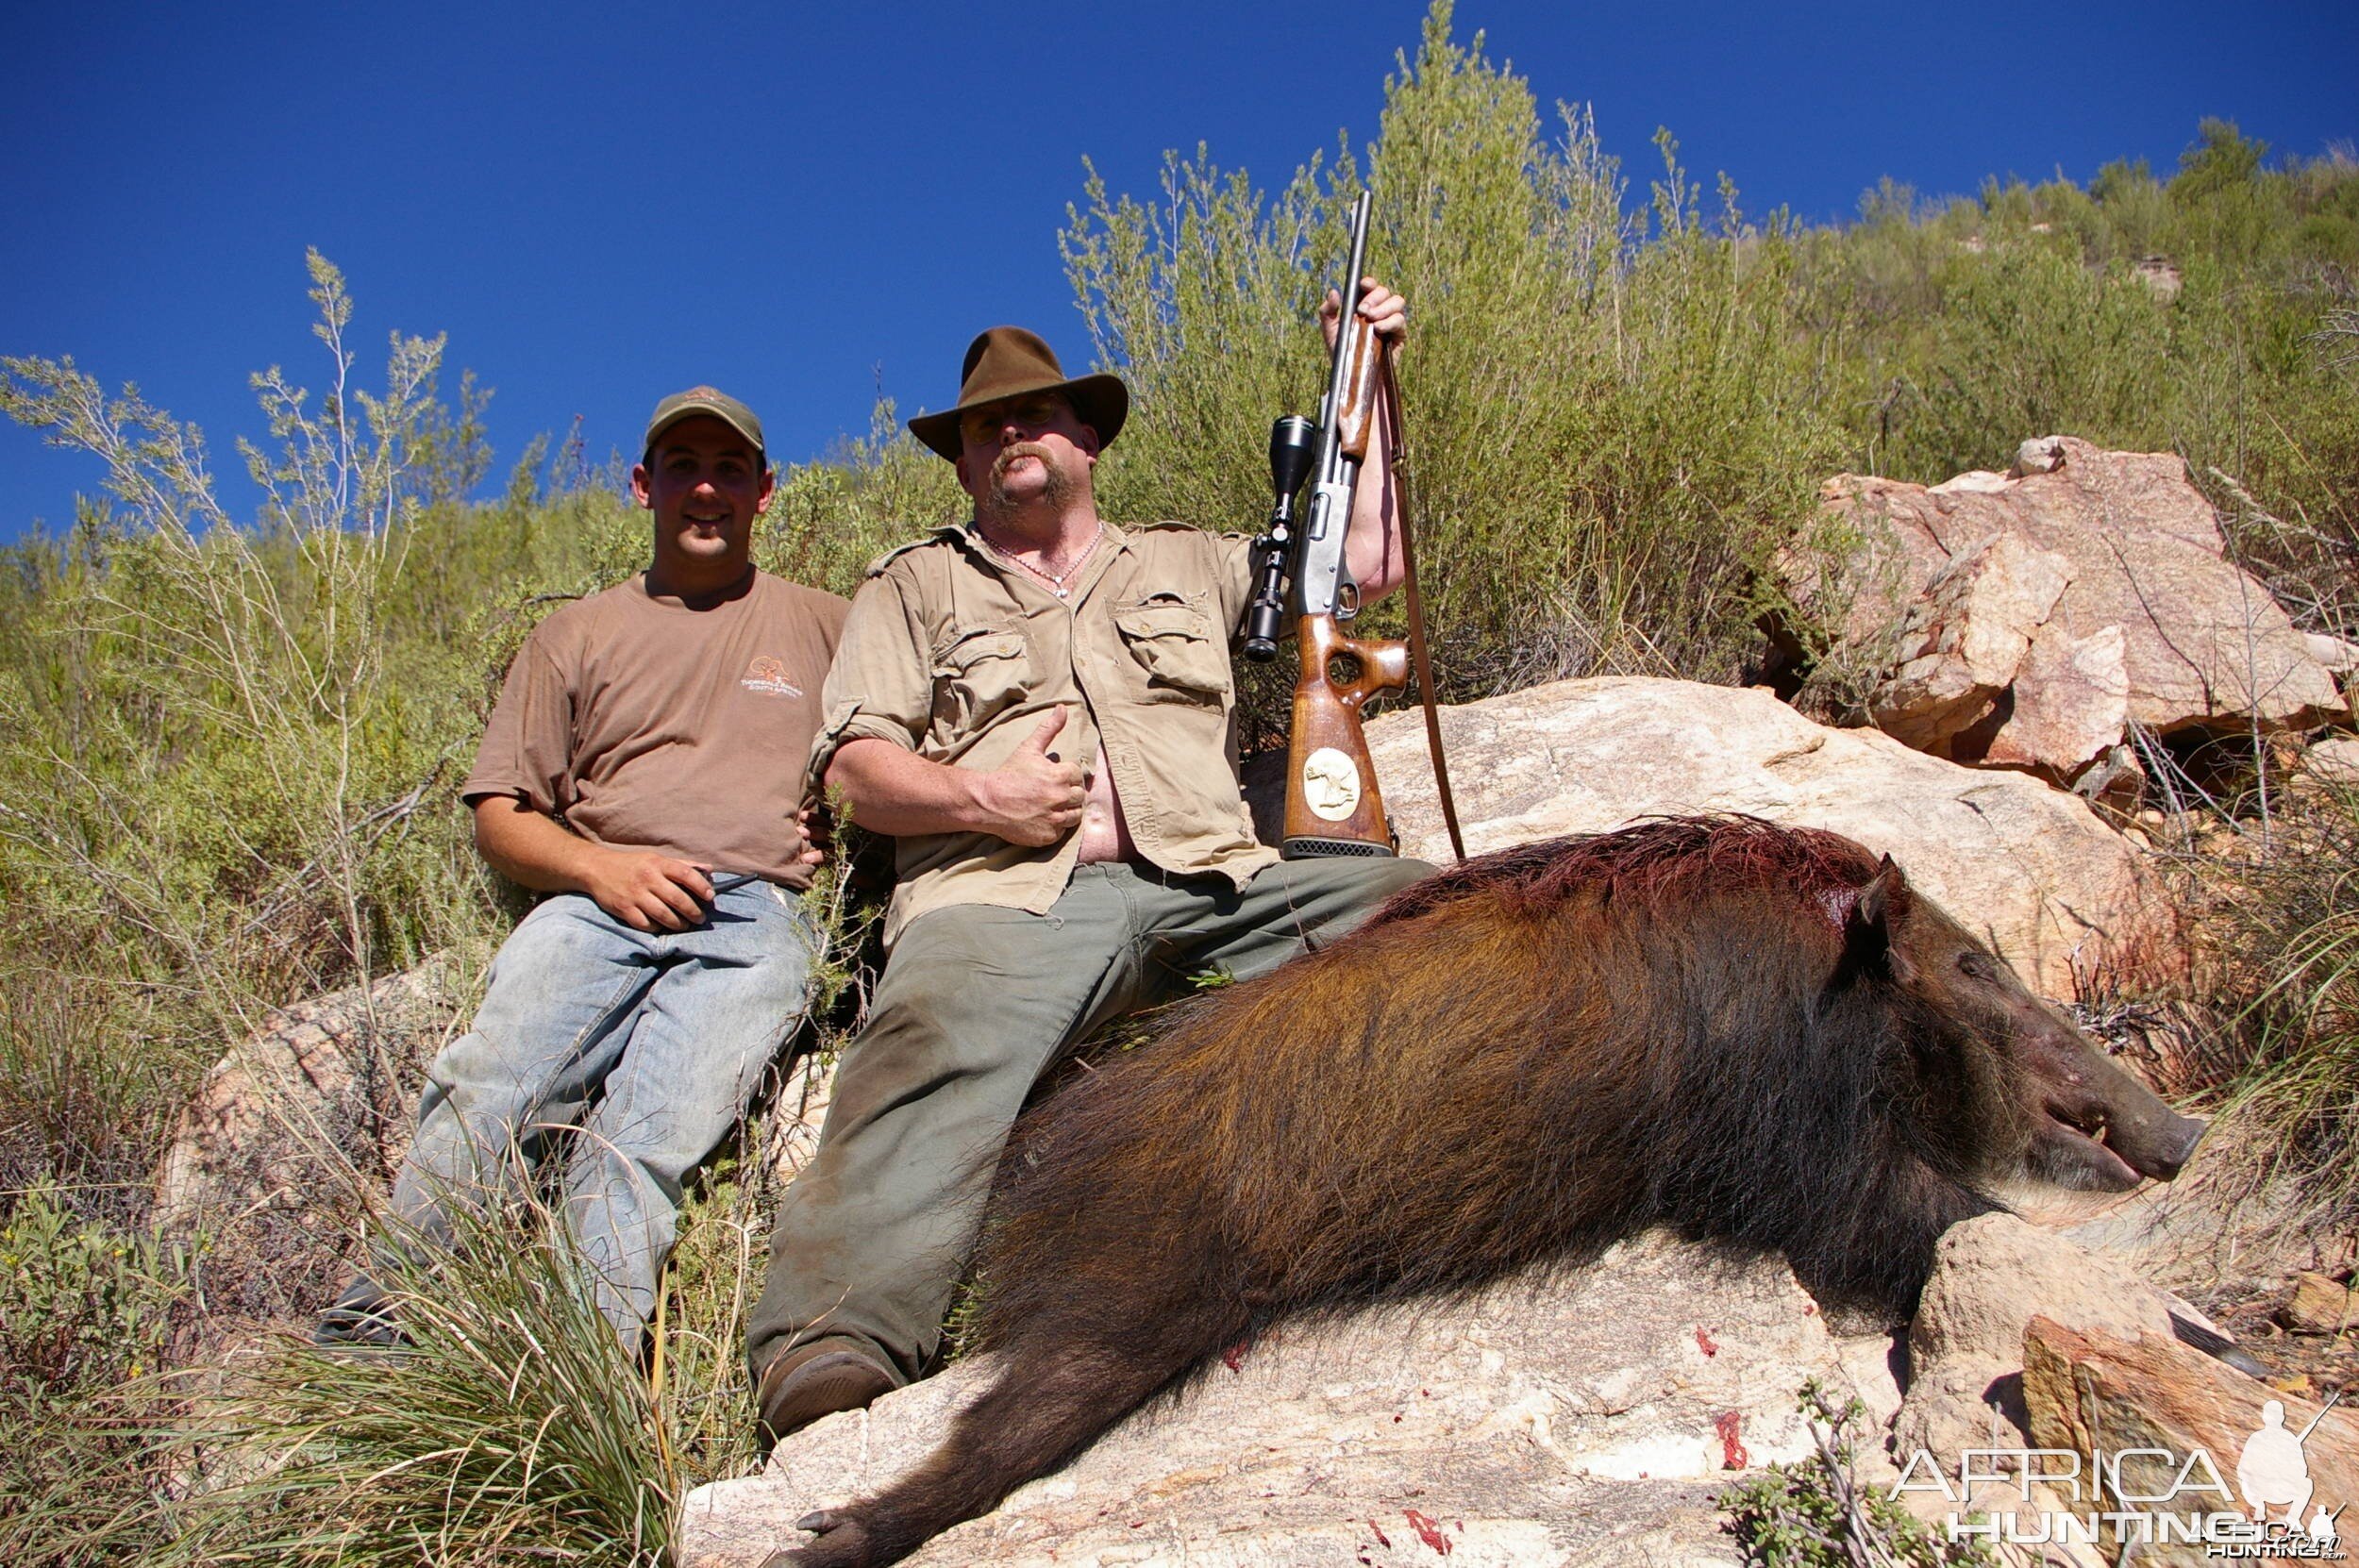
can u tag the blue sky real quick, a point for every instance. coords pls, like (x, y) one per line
(603, 202)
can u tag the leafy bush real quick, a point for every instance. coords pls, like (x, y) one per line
(86, 1306)
(1818, 1514)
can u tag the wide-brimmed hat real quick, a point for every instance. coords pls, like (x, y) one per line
(1008, 361)
(703, 400)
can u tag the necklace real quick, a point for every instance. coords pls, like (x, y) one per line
(1056, 580)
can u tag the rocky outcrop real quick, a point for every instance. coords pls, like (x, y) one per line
(294, 1138)
(1935, 594)
(2154, 1403)
(1588, 1420)
(1991, 1277)
(2031, 868)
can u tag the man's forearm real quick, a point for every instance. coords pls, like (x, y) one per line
(898, 792)
(1372, 550)
(531, 849)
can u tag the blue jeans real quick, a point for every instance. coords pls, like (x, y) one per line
(642, 1048)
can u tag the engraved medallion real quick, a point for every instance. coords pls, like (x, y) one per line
(1331, 784)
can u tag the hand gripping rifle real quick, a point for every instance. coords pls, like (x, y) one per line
(1333, 804)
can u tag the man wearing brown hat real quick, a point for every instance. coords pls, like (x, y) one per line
(1038, 706)
(644, 769)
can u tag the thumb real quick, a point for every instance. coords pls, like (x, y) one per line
(1037, 742)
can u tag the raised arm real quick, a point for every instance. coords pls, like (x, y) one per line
(1372, 549)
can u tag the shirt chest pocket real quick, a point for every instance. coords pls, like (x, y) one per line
(977, 675)
(1174, 647)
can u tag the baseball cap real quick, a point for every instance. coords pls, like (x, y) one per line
(704, 400)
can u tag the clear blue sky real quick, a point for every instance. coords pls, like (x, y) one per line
(602, 203)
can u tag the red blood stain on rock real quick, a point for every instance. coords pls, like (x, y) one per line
(1427, 1531)
(1705, 1342)
(1733, 1454)
(1234, 1358)
(1382, 1539)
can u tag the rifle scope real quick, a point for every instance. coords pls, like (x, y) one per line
(1293, 451)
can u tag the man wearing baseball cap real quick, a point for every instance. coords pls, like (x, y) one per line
(643, 770)
(1038, 706)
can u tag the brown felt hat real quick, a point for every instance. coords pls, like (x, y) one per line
(1008, 361)
(703, 400)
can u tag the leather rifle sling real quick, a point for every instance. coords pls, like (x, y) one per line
(1395, 438)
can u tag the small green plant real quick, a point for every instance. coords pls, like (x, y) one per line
(1818, 1514)
(86, 1307)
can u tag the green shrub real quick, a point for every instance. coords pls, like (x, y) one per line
(1818, 1514)
(86, 1306)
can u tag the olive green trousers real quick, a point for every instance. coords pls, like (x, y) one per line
(975, 1002)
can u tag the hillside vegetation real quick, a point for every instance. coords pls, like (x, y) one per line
(229, 746)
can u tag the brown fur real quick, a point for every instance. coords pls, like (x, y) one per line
(1755, 1035)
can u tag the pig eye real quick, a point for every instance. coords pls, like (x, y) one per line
(1976, 966)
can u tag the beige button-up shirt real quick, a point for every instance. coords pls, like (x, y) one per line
(957, 656)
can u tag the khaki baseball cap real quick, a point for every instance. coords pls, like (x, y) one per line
(704, 400)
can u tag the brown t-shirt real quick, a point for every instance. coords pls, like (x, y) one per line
(646, 725)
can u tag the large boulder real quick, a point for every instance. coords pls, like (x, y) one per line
(2031, 868)
(1935, 593)
(1588, 1419)
(275, 1162)
(292, 1140)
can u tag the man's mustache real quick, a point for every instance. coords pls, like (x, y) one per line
(1020, 449)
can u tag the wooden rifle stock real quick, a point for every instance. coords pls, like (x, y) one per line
(1333, 804)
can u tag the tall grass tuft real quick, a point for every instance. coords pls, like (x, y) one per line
(2285, 935)
(515, 1422)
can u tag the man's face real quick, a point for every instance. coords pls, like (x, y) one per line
(706, 484)
(1024, 449)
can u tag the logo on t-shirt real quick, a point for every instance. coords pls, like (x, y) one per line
(767, 675)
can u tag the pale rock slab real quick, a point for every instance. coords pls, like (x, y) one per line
(2333, 761)
(1565, 1419)
(1991, 1277)
(2030, 868)
(1963, 643)
(2071, 699)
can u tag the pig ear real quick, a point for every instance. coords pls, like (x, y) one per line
(1882, 904)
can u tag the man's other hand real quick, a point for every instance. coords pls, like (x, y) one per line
(1378, 306)
(646, 890)
(1033, 799)
(818, 830)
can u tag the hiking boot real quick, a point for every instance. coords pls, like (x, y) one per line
(807, 1381)
(360, 1319)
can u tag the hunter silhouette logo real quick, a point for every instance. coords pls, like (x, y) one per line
(2273, 1472)
(2140, 1496)
(767, 675)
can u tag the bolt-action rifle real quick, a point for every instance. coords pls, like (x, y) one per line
(1333, 804)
